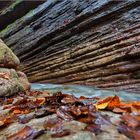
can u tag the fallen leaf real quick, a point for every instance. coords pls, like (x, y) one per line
(76, 110)
(69, 100)
(126, 108)
(63, 113)
(94, 128)
(130, 120)
(136, 108)
(53, 124)
(129, 132)
(102, 104)
(86, 119)
(22, 134)
(16, 111)
(115, 102)
(6, 121)
(119, 110)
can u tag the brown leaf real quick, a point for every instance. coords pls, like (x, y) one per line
(22, 134)
(126, 108)
(119, 110)
(129, 132)
(62, 112)
(75, 110)
(86, 119)
(94, 128)
(130, 120)
(69, 100)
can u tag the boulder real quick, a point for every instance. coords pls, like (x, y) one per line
(23, 80)
(7, 58)
(12, 81)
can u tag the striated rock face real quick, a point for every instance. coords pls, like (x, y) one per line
(90, 42)
(11, 80)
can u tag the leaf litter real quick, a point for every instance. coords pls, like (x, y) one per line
(68, 108)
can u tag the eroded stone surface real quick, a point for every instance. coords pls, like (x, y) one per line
(14, 82)
(11, 80)
(76, 128)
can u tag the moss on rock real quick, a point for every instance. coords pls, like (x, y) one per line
(7, 58)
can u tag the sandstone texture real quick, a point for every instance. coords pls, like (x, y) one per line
(88, 42)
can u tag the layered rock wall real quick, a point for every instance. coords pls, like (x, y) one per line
(90, 42)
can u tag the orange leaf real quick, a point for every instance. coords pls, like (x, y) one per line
(102, 104)
(136, 108)
(17, 111)
(114, 102)
(131, 107)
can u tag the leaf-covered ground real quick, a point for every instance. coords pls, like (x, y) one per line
(89, 116)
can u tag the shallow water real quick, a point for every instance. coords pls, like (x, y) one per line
(87, 91)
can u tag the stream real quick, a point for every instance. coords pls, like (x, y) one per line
(87, 91)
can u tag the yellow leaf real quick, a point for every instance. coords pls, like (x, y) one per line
(102, 104)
